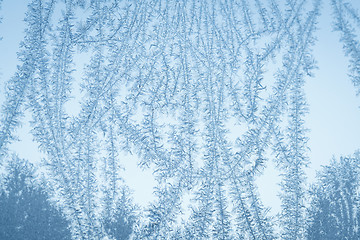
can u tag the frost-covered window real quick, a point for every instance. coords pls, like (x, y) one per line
(203, 94)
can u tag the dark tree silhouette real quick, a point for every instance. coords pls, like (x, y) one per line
(26, 212)
(334, 209)
(120, 219)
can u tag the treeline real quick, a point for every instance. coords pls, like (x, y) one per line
(27, 212)
(334, 210)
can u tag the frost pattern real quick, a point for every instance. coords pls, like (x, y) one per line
(167, 80)
(347, 22)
